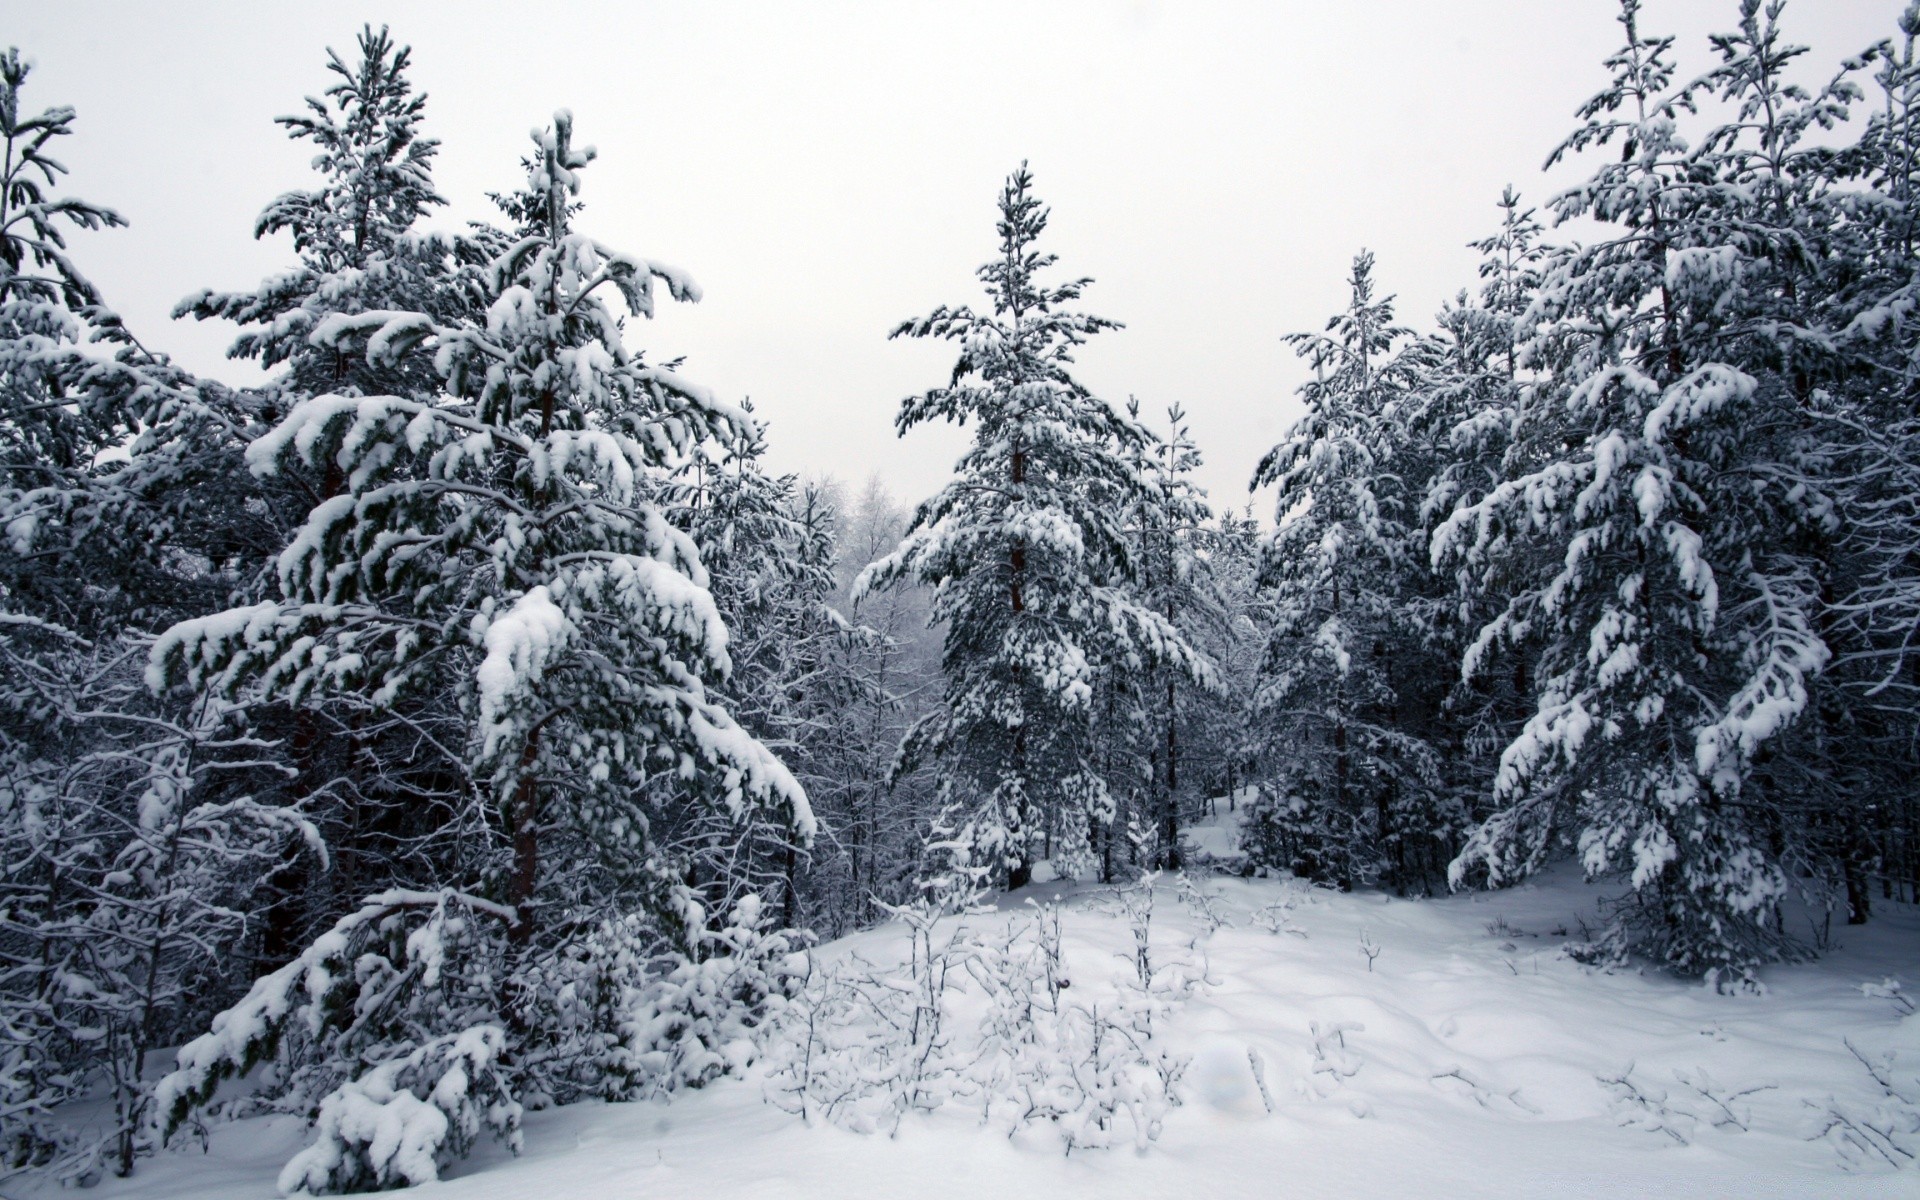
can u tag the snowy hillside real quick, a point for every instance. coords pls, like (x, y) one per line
(1441, 1048)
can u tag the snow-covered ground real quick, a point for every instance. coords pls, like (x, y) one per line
(1470, 1064)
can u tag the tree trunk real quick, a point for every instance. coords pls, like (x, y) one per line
(1171, 814)
(793, 888)
(1020, 870)
(526, 840)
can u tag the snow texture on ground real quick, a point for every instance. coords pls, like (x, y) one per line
(1464, 1058)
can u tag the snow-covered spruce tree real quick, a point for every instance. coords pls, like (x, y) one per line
(1676, 593)
(1349, 781)
(1176, 581)
(385, 786)
(1029, 554)
(505, 540)
(1452, 446)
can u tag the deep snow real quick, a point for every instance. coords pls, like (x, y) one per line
(1471, 1066)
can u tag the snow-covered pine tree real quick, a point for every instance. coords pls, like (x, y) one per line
(505, 538)
(506, 541)
(353, 235)
(825, 694)
(1863, 762)
(1350, 778)
(385, 786)
(1453, 447)
(1675, 596)
(51, 429)
(1029, 554)
(1177, 582)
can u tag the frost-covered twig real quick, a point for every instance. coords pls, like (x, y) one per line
(1369, 948)
(1203, 905)
(1258, 1066)
(1890, 990)
(1886, 1130)
(1483, 1093)
(1723, 1114)
(1645, 1108)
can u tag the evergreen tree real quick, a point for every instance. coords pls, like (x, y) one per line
(1463, 395)
(1029, 556)
(354, 237)
(1673, 593)
(130, 829)
(1337, 561)
(1176, 581)
(769, 545)
(386, 784)
(1862, 764)
(506, 536)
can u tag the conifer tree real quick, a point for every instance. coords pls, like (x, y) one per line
(1029, 554)
(769, 545)
(130, 834)
(1336, 562)
(1176, 581)
(505, 538)
(1664, 547)
(1865, 419)
(354, 235)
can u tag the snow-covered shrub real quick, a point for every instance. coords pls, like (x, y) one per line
(864, 1045)
(1088, 1069)
(1332, 1062)
(1892, 991)
(1089, 1066)
(702, 1018)
(127, 858)
(403, 1121)
(1284, 831)
(417, 1025)
(1678, 1114)
(1204, 905)
(393, 1008)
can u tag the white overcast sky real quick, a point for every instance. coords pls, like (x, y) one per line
(826, 170)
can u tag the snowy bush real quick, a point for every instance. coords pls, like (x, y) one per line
(620, 1013)
(1283, 830)
(1678, 1114)
(403, 1121)
(383, 986)
(703, 1018)
(392, 1035)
